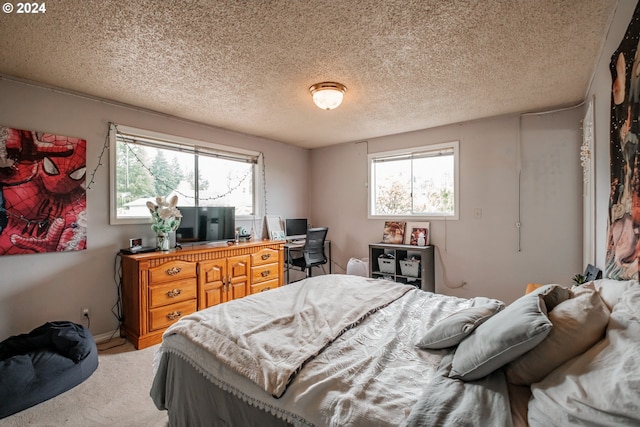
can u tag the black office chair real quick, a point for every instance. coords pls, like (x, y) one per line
(312, 252)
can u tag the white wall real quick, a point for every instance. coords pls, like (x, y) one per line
(54, 286)
(487, 253)
(601, 91)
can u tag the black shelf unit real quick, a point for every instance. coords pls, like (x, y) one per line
(404, 264)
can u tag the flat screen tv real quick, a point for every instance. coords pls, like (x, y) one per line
(201, 224)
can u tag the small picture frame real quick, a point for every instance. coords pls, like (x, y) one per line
(393, 232)
(418, 234)
(274, 228)
(135, 243)
(277, 235)
(592, 273)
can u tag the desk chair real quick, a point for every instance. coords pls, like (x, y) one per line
(312, 252)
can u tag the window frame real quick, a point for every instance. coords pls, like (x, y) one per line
(372, 157)
(177, 143)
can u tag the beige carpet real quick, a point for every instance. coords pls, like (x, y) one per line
(117, 394)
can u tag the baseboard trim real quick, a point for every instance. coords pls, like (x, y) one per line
(106, 336)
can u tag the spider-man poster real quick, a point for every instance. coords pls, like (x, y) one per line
(42, 192)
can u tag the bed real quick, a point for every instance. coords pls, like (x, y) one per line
(340, 350)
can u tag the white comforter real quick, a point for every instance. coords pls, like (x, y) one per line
(370, 375)
(268, 338)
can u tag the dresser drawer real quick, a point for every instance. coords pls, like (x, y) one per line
(172, 292)
(172, 270)
(263, 273)
(265, 256)
(264, 286)
(162, 317)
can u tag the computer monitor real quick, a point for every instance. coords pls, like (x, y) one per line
(295, 228)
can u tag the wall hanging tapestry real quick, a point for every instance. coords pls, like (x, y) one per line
(623, 243)
(42, 192)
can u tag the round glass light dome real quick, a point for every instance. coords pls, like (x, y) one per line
(328, 95)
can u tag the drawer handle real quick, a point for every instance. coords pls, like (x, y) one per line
(265, 273)
(265, 289)
(173, 271)
(174, 293)
(266, 256)
(174, 315)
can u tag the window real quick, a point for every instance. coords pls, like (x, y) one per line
(419, 182)
(147, 164)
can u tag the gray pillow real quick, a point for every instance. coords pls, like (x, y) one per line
(578, 323)
(510, 333)
(455, 327)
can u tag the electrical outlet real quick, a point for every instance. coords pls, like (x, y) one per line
(85, 313)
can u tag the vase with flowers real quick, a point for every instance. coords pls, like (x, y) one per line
(165, 217)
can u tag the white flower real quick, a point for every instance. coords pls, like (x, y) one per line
(165, 215)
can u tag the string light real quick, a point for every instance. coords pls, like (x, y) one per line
(585, 155)
(163, 182)
(105, 147)
(264, 183)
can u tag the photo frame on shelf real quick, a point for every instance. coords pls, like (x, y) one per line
(275, 230)
(277, 235)
(393, 232)
(418, 234)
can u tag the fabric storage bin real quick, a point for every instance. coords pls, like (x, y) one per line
(387, 265)
(410, 267)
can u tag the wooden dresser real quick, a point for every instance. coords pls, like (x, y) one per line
(159, 288)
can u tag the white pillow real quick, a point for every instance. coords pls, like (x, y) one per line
(510, 333)
(611, 290)
(600, 386)
(455, 327)
(578, 323)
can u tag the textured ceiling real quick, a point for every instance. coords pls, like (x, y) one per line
(247, 65)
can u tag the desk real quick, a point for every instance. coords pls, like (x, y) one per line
(293, 246)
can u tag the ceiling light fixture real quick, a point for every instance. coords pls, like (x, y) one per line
(328, 95)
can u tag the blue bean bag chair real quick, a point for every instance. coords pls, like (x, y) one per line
(47, 361)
